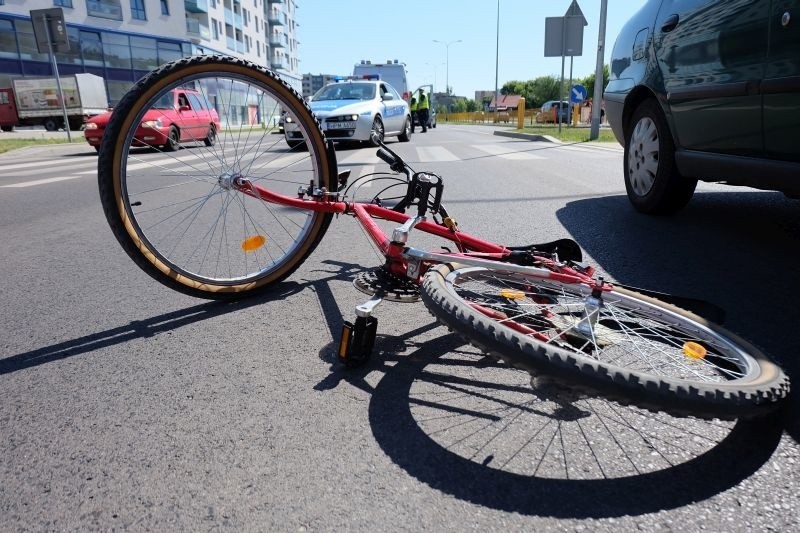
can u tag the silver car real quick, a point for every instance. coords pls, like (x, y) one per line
(352, 110)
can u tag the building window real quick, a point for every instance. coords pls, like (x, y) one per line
(107, 9)
(165, 7)
(61, 3)
(137, 10)
(8, 42)
(214, 29)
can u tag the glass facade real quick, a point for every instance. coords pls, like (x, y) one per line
(119, 58)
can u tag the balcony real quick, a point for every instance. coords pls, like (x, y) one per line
(233, 44)
(234, 19)
(278, 62)
(196, 6)
(195, 29)
(277, 40)
(275, 16)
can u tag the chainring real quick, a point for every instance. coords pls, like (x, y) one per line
(383, 283)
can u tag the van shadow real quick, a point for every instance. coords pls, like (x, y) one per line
(738, 250)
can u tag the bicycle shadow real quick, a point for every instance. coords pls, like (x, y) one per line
(140, 329)
(473, 428)
(745, 264)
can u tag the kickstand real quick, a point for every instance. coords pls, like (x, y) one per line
(358, 338)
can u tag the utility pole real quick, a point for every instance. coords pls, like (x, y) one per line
(497, 61)
(597, 97)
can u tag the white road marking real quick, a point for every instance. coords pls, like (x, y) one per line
(39, 182)
(435, 154)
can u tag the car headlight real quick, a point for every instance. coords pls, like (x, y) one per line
(90, 126)
(152, 123)
(343, 118)
(288, 119)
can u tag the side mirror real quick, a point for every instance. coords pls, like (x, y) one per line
(183, 108)
(388, 96)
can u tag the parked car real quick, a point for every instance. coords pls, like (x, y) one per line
(709, 91)
(548, 112)
(352, 110)
(182, 115)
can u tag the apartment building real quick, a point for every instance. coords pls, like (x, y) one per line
(121, 40)
(314, 82)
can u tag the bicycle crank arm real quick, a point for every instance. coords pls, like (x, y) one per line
(415, 256)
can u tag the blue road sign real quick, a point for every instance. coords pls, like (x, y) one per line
(577, 94)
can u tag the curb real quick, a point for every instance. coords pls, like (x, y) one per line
(527, 136)
(607, 146)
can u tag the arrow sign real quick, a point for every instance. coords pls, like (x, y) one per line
(577, 94)
(575, 11)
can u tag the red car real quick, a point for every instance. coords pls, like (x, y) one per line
(182, 115)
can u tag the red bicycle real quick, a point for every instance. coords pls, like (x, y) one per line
(233, 218)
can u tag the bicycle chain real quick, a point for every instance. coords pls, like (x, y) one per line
(392, 288)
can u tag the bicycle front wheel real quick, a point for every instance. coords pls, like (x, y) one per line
(639, 351)
(178, 214)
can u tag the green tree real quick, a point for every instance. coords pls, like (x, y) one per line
(473, 106)
(536, 91)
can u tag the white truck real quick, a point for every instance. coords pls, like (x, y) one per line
(393, 72)
(37, 101)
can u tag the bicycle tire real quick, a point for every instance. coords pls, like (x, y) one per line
(733, 380)
(177, 215)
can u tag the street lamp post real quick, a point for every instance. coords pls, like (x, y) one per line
(447, 69)
(435, 69)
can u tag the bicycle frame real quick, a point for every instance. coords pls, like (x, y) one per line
(410, 262)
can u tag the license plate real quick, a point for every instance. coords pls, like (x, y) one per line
(341, 125)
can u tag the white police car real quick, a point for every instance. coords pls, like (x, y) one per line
(352, 109)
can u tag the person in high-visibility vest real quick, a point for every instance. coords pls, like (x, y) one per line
(422, 110)
(413, 106)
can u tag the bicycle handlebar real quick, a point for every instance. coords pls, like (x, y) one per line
(394, 161)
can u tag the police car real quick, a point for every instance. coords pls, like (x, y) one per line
(352, 109)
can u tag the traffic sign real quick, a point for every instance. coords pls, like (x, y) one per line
(49, 29)
(575, 11)
(577, 94)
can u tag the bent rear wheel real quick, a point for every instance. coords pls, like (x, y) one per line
(640, 351)
(180, 218)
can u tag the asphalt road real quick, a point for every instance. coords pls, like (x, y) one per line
(124, 405)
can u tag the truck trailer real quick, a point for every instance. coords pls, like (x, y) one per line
(37, 101)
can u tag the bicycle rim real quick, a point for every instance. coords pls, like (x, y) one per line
(640, 350)
(177, 213)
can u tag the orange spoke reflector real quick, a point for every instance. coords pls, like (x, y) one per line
(694, 350)
(512, 294)
(253, 243)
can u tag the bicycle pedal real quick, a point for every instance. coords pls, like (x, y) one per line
(357, 341)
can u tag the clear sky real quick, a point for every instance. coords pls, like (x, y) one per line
(336, 34)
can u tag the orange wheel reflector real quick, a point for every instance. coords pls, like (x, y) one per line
(512, 294)
(253, 243)
(694, 350)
